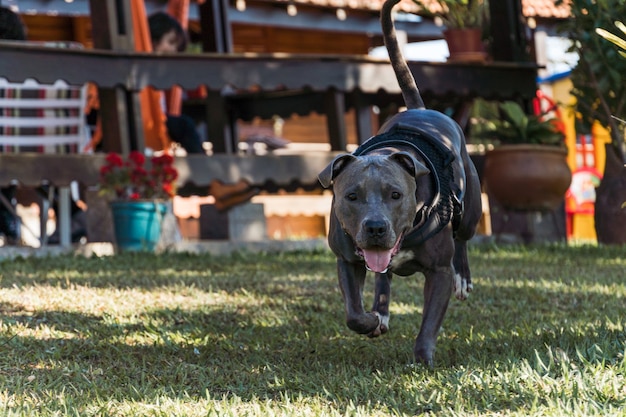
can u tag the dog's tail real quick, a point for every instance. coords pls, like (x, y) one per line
(410, 92)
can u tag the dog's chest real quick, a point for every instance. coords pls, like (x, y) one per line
(407, 262)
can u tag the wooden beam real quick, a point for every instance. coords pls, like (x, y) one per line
(261, 73)
(336, 122)
(219, 126)
(112, 25)
(363, 117)
(216, 29)
(31, 169)
(113, 30)
(510, 41)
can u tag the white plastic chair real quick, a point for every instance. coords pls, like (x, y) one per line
(42, 116)
(48, 119)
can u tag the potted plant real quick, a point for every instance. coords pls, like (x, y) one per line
(599, 85)
(527, 167)
(139, 197)
(464, 20)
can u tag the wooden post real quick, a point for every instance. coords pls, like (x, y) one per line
(216, 32)
(220, 126)
(335, 109)
(113, 30)
(217, 37)
(508, 31)
(363, 118)
(112, 25)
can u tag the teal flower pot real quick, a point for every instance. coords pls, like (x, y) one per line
(137, 224)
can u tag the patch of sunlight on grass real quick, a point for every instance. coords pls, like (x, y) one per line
(404, 308)
(560, 286)
(265, 335)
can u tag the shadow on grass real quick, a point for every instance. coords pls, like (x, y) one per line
(173, 350)
(150, 271)
(293, 341)
(178, 353)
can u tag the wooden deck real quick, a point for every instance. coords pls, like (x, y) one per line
(240, 86)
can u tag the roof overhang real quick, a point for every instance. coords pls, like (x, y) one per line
(263, 13)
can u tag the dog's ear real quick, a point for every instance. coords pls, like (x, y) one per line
(333, 169)
(409, 163)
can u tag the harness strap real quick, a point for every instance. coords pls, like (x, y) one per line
(444, 207)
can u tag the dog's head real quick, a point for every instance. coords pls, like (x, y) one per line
(374, 201)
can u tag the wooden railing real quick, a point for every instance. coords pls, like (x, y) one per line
(240, 86)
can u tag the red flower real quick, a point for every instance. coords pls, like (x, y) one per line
(130, 179)
(114, 160)
(169, 174)
(138, 174)
(163, 160)
(168, 189)
(137, 158)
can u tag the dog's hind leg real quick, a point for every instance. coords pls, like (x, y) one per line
(382, 293)
(351, 281)
(463, 277)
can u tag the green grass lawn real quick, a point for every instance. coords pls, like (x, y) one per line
(264, 335)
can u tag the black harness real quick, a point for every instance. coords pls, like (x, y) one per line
(446, 204)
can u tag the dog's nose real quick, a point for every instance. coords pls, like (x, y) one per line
(375, 228)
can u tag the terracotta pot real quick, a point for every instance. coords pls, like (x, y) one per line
(465, 45)
(527, 177)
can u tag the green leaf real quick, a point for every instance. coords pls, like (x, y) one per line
(513, 112)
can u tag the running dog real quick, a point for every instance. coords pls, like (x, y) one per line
(405, 201)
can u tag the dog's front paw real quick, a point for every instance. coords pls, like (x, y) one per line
(461, 287)
(424, 357)
(365, 323)
(383, 325)
(424, 351)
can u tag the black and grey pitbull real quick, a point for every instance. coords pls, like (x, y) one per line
(407, 200)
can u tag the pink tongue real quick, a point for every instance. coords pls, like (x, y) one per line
(377, 261)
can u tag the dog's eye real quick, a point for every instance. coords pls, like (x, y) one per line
(351, 197)
(396, 195)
